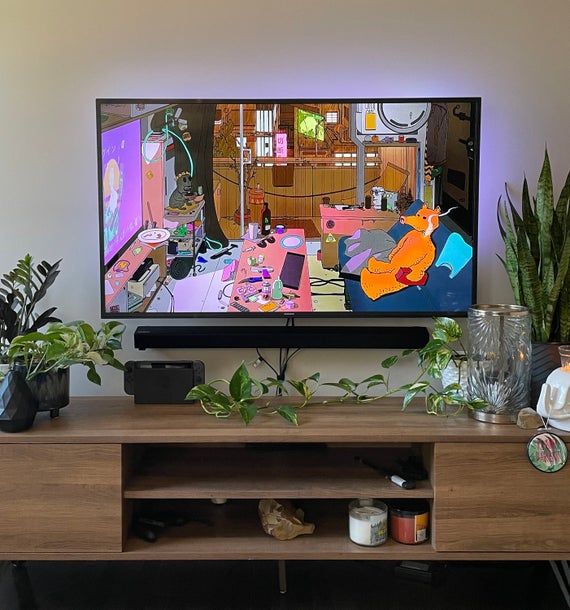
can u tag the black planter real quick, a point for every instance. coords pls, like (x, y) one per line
(545, 358)
(51, 390)
(18, 407)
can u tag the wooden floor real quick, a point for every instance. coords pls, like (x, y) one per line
(253, 585)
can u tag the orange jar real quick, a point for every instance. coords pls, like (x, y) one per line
(409, 521)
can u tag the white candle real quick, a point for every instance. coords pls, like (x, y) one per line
(368, 522)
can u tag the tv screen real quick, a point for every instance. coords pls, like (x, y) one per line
(279, 208)
(121, 185)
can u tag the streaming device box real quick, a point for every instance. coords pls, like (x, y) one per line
(152, 382)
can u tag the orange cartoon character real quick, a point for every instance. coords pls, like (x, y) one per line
(409, 261)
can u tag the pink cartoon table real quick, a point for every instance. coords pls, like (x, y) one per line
(274, 253)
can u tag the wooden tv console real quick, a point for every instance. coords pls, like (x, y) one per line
(69, 486)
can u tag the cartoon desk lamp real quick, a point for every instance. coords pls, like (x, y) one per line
(554, 400)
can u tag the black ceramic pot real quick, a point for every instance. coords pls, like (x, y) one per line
(51, 390)
(545, 358)
(18, 406)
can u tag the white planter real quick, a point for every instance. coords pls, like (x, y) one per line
(456, 374)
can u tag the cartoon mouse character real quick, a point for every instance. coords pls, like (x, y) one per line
(183, 192)
(409, 261)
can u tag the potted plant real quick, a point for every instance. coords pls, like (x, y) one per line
(21, 289)
(45, 358)
(537, 260)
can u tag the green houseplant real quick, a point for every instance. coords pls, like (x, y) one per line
(536, 235)
(21, 290)
(248, 397)
(45, 357)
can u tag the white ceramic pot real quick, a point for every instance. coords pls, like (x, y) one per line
(456, 374)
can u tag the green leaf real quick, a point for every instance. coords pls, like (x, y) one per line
(407, 352)
(373, 381)
(240, 383)
(344, 384)
(247, 411)
(446, 329)
(273, 382)
(563, 210)
(554, 295)
(531, 223)
(93, 376)
(531, 289)
(389, 362)
(299, 386)
(288, 413)
(413, 390)
(545, 213)
(316, 377)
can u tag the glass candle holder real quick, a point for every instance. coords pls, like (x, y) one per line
(499, 360)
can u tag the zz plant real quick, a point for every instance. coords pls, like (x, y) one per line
(21, 289)
(247, 397)
(537, 254)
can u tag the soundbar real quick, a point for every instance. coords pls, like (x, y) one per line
(346, 337)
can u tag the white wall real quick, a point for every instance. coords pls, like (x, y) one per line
(56, 57)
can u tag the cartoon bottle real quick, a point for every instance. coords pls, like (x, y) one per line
(277, 290)
(265, 219)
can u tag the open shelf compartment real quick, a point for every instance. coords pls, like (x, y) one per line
(234, 531)
(266, 471)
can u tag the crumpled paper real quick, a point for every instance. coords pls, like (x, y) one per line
(282, 521)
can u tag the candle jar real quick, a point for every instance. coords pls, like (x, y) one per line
(499, 360)
(368, 522)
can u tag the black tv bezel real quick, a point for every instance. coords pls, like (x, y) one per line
(343, 315)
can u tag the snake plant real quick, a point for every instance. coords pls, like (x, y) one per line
(537, 254)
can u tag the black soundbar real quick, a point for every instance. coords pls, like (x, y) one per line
(345, 337)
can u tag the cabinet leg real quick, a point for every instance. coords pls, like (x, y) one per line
(282, 576)
(563, 578)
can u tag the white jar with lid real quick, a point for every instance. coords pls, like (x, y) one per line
(368, 522)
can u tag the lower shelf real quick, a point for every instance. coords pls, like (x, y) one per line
(233, 531)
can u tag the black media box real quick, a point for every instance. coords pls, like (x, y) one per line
(152, 382)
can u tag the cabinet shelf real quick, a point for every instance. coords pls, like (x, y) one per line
(233, 531)
(252, 473)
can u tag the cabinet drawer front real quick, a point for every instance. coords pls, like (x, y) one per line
(56, 498)
(488, 497)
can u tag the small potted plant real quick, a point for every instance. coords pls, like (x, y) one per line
(45, 358)
(21, 290)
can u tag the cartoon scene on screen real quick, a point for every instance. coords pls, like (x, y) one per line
(287, 207)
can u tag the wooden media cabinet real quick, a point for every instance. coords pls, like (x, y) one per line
(70, 486)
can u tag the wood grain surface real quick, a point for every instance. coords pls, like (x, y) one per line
(119, 420)
(488, 497)
(60, 498)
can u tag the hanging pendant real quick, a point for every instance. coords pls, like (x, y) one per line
(547, 452)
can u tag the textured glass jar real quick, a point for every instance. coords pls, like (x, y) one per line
(499, 360)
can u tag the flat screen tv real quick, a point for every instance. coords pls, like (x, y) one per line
(323, 208)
